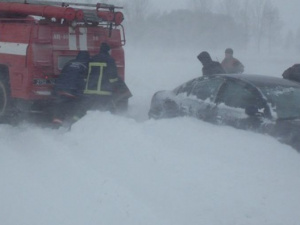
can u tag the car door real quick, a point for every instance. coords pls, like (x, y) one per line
(201, 98)
(240, 104)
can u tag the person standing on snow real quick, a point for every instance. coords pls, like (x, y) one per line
(231, 64)
(103, 85)
(210, 67)
(69, 87)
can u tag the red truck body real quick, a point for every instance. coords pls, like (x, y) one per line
(37, 39)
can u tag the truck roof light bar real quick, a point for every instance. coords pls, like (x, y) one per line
(62, 10)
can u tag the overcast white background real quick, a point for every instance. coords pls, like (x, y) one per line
(289, 9)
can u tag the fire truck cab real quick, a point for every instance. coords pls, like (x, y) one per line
(37, 38)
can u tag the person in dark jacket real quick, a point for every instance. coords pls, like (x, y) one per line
(69, 88)
(292, 73)
(71, 79)
(210, 67)
(103, 85)
(231, 64)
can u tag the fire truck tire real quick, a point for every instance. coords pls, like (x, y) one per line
(3, 99)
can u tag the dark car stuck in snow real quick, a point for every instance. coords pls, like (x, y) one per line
(264, 104)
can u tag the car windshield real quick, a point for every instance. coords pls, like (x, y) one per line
(285, 101)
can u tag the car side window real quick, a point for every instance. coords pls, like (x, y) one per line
(207, 88)
(239, 95)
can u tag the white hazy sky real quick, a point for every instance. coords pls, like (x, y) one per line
(289, 9)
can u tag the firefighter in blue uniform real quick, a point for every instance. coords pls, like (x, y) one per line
(69, 88)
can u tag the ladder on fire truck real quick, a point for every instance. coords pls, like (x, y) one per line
(85, 11)
(67, 4)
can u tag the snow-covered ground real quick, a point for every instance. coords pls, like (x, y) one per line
(126, 169)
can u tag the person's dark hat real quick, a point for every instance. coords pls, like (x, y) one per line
(204, 56)
(104, 48)
(229, 51)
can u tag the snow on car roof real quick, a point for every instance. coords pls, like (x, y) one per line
(263, 80)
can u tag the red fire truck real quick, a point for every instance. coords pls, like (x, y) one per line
(38, 37)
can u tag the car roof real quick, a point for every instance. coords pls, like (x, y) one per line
(261, 80)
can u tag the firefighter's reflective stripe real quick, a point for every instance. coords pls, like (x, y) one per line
(113, 80)
(97, 91)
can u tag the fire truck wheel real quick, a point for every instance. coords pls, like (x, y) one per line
(3, 99)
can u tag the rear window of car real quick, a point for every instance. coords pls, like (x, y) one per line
(207, 88)
(203, 87)
(186, 87)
